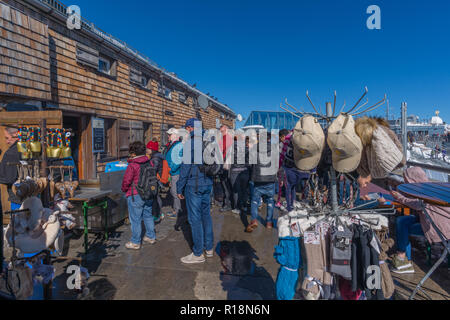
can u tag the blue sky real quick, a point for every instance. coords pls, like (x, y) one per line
(252, 55)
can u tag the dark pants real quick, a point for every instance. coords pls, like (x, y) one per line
(239, 182)
(227, 189)
(198, 202)
(293, 178)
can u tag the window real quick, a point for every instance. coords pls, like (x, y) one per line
(167, 93)
(87, 56)
(104, 65)
(138, 78)
(182, 97)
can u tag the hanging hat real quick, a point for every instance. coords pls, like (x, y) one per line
(345, 144)
(153, 145)
(308, 141)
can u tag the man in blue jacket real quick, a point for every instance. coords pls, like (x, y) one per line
(197, 188)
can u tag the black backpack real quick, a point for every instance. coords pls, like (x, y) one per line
(210, 170)
(147, 186)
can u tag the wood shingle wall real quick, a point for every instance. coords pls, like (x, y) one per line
(24, 55)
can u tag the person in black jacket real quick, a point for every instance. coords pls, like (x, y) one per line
(8, 174)
(264, 179)
(156, 158)
(239, 175)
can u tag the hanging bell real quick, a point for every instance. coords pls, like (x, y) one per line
(26, 155)
(66, 152)
(22, 147)
(35, 145)
(56, 152)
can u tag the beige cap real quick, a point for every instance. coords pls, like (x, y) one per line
(308, 141)
(345, 144)
(172, 131)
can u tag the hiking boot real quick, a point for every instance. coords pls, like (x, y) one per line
(269, 225)
(191, 258)
(402, 265)
(225, 209)
(148, 240)
(209, 253)
(132, 246)
(236, 211)
(252, 226)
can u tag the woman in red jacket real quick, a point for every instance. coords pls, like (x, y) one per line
(138, 209)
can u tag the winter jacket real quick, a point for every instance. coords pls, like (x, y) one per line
(439, 215)
(174, 156)
(8, 174)
(157, 160)
(258, 174)
(190, 174)
(132, 175)
(241, 153)
(382, 152)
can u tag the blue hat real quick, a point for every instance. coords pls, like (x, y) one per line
(190, 122)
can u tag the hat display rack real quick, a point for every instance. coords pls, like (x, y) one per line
(331, 208)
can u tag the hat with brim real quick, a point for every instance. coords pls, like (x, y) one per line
(308, 141)
(345, 144)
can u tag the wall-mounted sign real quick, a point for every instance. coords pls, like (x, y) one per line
(98, 135)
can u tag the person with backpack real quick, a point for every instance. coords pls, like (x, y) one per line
(157, 158)
(263, 187)
(141, 187)
(195, 182)
(173, 156)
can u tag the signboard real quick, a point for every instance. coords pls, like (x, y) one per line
(98, 135)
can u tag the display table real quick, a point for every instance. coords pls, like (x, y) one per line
(92, 198)
(434, 193)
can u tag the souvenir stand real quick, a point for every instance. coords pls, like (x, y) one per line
(34, 231)
(319, 226)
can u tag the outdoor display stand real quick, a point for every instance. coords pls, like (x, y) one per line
(313, 220)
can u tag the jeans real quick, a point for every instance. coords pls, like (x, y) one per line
(173, 192)
(267, 192)
(239, 182)
(138, 211)
(293, 178)
(405, 226)
(198, 204)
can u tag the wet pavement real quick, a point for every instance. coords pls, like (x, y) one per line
(155, 272)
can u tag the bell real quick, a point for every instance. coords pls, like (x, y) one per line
(26, 155)
(56, 152)
(49, 151)
(22, 147)
(66, 152)
(36, 147)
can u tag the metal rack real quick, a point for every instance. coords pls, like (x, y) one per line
(334, 210)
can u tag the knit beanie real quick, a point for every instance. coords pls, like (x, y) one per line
(383, 154)
(153, 145)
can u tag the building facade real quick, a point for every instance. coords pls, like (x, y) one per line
(95, 80)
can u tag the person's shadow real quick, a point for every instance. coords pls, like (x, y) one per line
(242, 278)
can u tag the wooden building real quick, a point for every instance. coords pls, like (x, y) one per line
(101, 85)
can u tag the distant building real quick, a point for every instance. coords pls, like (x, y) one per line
(273, 120)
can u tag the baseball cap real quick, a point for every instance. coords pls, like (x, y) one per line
(172, 131)
(345, 144)
(191, 122)
(308, 140)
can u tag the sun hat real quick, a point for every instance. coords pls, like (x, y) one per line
(308, 141)
(345, 144)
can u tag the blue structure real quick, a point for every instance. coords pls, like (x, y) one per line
(273, 120)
